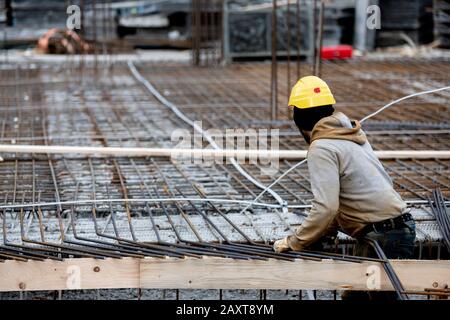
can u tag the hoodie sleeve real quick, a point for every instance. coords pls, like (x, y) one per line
(323, 166)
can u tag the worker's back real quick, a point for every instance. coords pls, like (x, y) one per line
(360, 189)
(350, 186)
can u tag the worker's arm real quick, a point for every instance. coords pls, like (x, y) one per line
(323, 166)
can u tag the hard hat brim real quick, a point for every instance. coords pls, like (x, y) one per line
(311, 102)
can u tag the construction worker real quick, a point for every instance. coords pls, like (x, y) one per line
(352, 191)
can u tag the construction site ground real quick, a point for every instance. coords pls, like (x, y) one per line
(79, 101)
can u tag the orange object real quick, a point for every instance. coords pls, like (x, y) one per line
(63, 42)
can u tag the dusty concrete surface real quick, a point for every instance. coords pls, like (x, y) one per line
(153, 294)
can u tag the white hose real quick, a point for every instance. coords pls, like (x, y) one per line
(401, 99)
(183, 117)
(283, 204)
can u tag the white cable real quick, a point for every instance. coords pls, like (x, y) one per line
(283, 203)
(183, 117)
(273, 183)
(401, 99)
(362, 120)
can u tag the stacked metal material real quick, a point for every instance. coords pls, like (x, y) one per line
(442, 22)
(247, 30)
(403, 21)
(439, 210)
(338, 23)
(248, 33)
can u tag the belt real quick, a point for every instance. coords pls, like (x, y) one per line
(386, 225)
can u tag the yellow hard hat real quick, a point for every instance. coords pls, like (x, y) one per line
(311, 92)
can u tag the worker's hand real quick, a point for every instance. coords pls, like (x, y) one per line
(281, 245)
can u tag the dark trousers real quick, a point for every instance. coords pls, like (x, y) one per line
(396, 244)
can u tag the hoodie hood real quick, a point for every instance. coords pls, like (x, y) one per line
(338, 126)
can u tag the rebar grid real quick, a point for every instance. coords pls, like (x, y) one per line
(49, 105)
(360, 87)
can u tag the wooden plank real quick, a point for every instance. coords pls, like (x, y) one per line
(80, 273)
(423, 274)
(211, 153)
(214, 273)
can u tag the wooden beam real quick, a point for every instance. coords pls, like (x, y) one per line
(215, 273)
(63, 275)
(212, 153)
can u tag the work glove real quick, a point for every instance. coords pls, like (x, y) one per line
(281, 245)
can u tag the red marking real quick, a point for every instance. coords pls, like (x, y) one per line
(317, 90)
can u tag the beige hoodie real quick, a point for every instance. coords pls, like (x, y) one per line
(348, 182)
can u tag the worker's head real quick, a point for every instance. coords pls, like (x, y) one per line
(311, 100)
